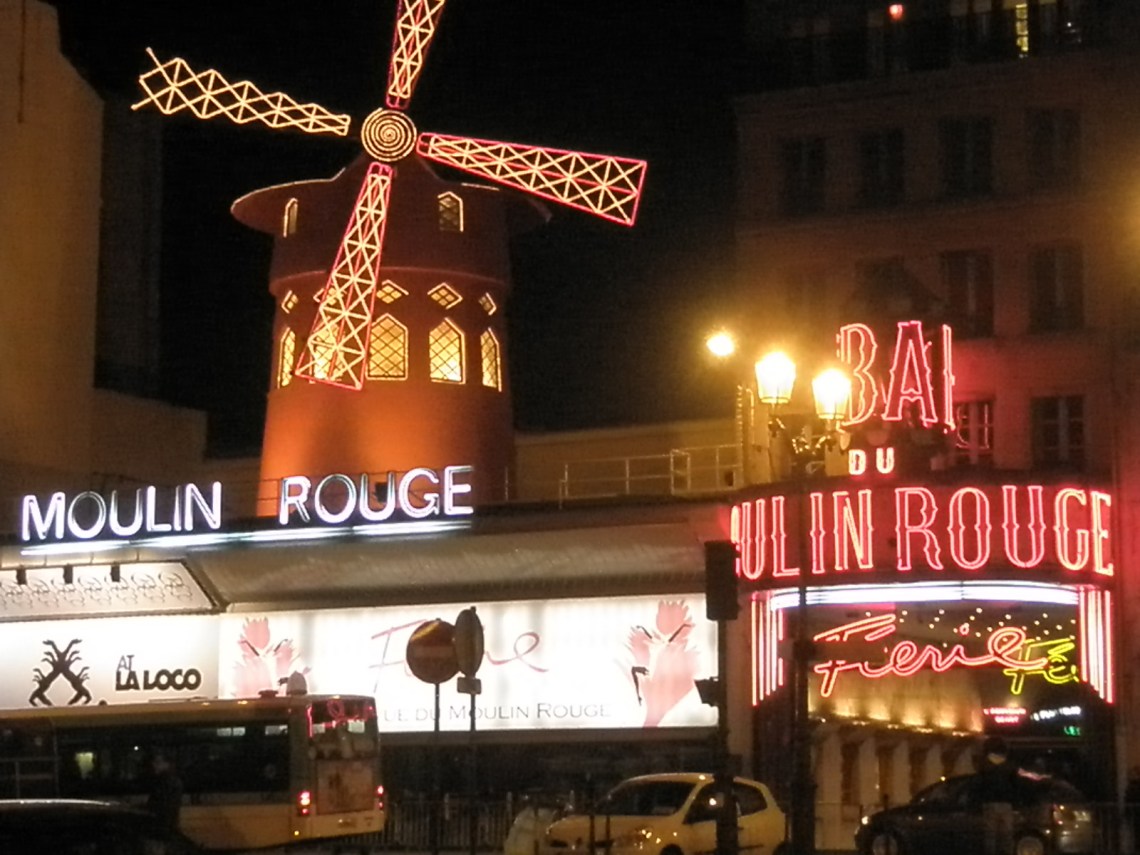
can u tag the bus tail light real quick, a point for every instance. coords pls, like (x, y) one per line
(380, 797)
(304, 803)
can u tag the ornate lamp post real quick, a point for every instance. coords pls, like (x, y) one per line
(775, 379)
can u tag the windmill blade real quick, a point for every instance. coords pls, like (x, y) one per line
(416, 21)
(336, 351)
(609, 187)
(173, 86)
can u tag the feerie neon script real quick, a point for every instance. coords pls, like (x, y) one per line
(1003, 647)
(188, 508)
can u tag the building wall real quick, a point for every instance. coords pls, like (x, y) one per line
(57, 431)
(804, 271)
(50, 135)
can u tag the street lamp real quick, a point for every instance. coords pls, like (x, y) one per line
(831, 389)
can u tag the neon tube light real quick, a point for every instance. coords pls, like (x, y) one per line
(966, 529)
(918, 592)
(906, 658)
(376, 530)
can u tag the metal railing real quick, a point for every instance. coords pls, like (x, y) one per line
(690, 471)
(413, 823)
(680, 472)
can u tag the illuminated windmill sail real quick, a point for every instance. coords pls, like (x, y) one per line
(335, 351)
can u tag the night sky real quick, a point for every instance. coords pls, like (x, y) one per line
(606, 322)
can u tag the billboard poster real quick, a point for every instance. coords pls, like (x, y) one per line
(617, 662)
(108, 660)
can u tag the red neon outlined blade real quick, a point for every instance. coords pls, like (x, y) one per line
(608, 187)
(336, 351)
(173, 86)
(415, 25)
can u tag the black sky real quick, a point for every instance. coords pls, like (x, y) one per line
(606, 322)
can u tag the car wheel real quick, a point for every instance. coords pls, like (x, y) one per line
(885, 843)
(1029, 844)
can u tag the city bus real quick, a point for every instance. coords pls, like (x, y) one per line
(258, 772)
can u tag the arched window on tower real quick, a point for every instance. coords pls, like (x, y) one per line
(492, 366)
(388, 350)
(289, 218)
(321, 346)
(286, 351)
(450, 212)
(445, 353)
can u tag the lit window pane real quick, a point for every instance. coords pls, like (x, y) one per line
(492, 371)
(445, 295)
(450, 213)
(285, 355)
(388, 350)
(445, 353)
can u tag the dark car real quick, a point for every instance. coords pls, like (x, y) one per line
(1050, 816)
(76, 827)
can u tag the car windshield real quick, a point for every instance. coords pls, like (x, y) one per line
(645, 798)
(943, 791)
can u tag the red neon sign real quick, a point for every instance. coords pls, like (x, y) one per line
(1003, 647)
(965, 529)
(918, 380)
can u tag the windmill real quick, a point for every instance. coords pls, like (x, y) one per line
(336, 348)
(325, 414)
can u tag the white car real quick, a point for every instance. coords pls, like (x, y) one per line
(669, 814)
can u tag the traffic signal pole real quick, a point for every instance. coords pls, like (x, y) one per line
(722, 605)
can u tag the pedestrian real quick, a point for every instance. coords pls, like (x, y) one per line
(165, 797)
(997, 779)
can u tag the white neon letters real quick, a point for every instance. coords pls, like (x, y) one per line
(88, 515)
(417, 494)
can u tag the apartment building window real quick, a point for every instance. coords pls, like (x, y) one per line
(881, 168)
(884, 285)
(803, 290)
(804, 165)
(974, 435)
(968, 279)
(1056, 290)
(1058, 431)
(967, 156)
(1054, 147)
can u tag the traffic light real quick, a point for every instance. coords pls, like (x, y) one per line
(720, 580)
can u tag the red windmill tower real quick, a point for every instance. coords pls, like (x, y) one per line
(396, 358)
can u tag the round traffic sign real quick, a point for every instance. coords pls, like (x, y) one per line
(469, 641)
(431, 651)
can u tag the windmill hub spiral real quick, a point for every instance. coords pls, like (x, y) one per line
(388, 135)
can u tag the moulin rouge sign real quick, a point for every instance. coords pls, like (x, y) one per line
(418, 495)
(858, 527)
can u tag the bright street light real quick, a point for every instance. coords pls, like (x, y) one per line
(721, 344)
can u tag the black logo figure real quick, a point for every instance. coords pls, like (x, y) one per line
(60, 662)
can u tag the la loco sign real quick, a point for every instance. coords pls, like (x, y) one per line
(937, 528)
